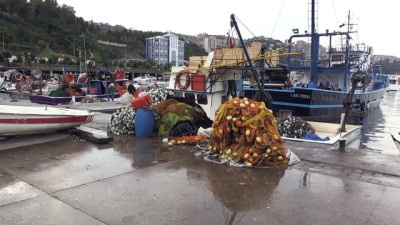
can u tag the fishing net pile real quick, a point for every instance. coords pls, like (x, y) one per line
(157, 94)
(123, 121)
(180, 117)
(92, 99)
(245, 132)
(293, 127)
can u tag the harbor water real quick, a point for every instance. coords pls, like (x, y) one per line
(380, 122)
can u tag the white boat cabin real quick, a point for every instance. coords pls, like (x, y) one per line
(394, 82)
(209, 94)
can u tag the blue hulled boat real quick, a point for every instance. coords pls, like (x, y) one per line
(327, 75)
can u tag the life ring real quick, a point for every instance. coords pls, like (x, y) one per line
(18, 76)
(37, 74)
(178, 80)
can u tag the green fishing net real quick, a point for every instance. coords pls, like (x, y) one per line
(180, 118)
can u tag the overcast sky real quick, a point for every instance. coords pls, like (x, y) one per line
(377, 20)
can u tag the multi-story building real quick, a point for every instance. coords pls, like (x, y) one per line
(211, 42)
(378, 58)
(165, 49)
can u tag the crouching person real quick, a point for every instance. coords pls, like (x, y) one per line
(110, 91)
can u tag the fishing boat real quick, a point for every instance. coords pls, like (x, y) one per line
(73, 89)
(327, 136)
(145, 79)
(212, 91)
(394, 82)
(22, 120)
(327, 75)
(50, 100)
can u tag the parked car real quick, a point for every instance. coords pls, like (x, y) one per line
(7, 86)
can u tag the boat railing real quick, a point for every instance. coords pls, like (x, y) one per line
(327, 61)
(357, 47)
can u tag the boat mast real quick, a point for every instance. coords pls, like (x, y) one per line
(314, 46)
(255, 76)
(347, 52)
(263, 95)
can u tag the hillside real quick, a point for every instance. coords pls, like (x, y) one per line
(44, 29)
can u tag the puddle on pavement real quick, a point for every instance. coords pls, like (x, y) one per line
(148, 151)
(141, 152)
(59, 165)
(247, 195)
(242, 189)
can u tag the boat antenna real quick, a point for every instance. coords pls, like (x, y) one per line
(334, 11)
(277, 19)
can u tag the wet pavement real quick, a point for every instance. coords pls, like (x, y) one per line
(142, 181)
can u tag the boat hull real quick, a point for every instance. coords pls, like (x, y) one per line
(22, 120)
(49, 100)
(318, 104)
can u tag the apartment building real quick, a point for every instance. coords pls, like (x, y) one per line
(211, 42)
(165, 49)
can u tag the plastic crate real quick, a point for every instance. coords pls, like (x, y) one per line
(140, 102)
(93, 91)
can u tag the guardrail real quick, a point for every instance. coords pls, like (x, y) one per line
(76, 68)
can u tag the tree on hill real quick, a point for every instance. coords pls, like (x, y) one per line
(47, 29)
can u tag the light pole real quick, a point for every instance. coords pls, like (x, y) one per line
(86, 71)
(2, 29)
(80, 63)
(23, 62)
(84, 51)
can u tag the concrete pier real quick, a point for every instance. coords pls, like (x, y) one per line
(142, 181)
